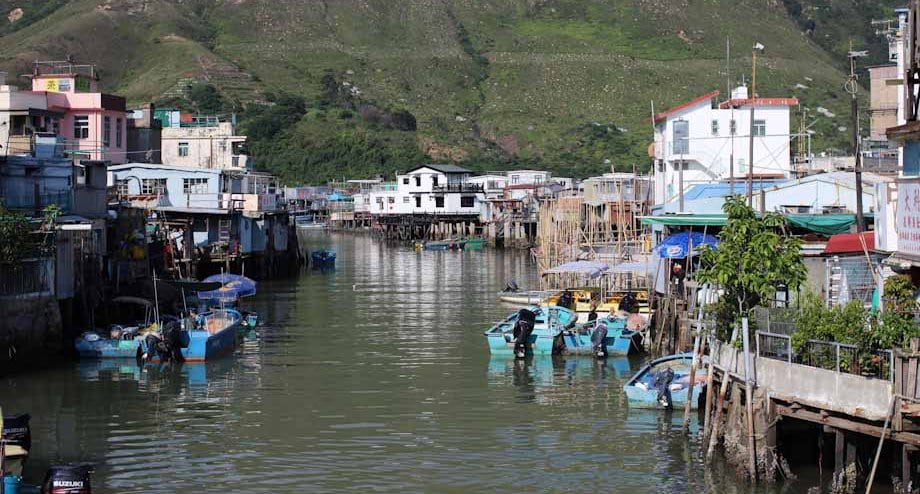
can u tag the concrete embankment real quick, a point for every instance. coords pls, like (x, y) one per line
(31, 331)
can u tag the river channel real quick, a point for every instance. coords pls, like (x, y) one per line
(374, 377)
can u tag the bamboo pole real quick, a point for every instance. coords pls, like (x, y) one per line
(692, 384)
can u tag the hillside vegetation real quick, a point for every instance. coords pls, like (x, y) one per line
(370, 87)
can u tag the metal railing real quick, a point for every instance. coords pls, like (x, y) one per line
(29, 277)
(837, 357)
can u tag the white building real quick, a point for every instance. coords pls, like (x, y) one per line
(706, 140)
(204, 143)
(428, 189)
(493, 184)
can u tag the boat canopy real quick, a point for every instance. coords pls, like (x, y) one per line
(590, 268)
(234, 286)
(132, 300)
(682, 244)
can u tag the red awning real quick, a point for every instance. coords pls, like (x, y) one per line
(849, 243)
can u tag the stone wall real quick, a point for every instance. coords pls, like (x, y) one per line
(30, 331)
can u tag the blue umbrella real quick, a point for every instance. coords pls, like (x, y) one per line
(678, 245)
(234, 286)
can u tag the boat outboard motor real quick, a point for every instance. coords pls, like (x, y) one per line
(597, 340)
(16, 430)
(68, 479)
(523, 328)
(662, 385)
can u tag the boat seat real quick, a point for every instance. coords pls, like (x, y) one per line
(12, 451)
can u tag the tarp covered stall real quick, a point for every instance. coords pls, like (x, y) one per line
(686, 220)
(825, 224)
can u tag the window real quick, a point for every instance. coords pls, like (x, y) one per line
(538, 179)
(183, 149)
(515, 179)
(418, 180)
(121, 187)
(681, 134)
(439, 202)
(467, 201)
(391, 200)
(194, 185)
(406, 181)
(434, 180)
(715, 127)
(153, 186)
(118, 132)
(106, 131)
(418, 201)
(760, 128)
(406, 199)
(81, 127)
(733, 127)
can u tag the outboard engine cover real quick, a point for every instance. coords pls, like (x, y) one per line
(68, 479)
(597, 340)
(16, 430)
(523, 328)
(662, 385)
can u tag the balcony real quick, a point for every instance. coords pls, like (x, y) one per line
(458, 189)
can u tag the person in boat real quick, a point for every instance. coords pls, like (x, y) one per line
(592, 316)
(565, 300)
(662, 384)
(511, 287)
(628, 303)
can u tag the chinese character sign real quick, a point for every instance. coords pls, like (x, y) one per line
(908, 218)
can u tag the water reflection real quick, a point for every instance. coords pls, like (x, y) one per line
(369, 378)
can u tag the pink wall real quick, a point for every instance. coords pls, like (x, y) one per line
(90, 104)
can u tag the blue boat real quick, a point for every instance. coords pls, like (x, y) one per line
(122, 341)
(546, 336)
(619, 341)
(665, 383)
(214, 335)
(323, 258)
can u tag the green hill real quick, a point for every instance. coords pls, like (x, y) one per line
(564, 84)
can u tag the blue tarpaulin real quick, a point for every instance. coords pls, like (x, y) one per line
(678, 245)
(234, 286)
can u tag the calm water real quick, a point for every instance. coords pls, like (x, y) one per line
(372, 378)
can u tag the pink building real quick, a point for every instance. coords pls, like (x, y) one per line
(64, 102)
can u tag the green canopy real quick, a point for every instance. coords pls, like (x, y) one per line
(686, 220)
(825, 224)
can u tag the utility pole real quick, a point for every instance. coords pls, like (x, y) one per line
(731, 132)
(852, 87)
(753, 101)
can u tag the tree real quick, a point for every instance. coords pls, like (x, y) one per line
(206, 98)
(755, 257)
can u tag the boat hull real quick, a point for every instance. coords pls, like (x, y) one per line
(522, 298)
(106, 348)
(205, 345)
(546, 338)
(641, 394)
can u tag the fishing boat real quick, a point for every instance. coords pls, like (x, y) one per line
(474, 244)
(665, 383)
(323, 258)
(204, 337)
(231, 289)
(617, 341)
(549, 323)
(121, 341)
(444, 245)
(583, 300)
(533, 297)
(308, 222)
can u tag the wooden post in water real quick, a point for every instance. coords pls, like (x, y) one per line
(749, 398)
(692, 384)
(720, 401)
(707, 422)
